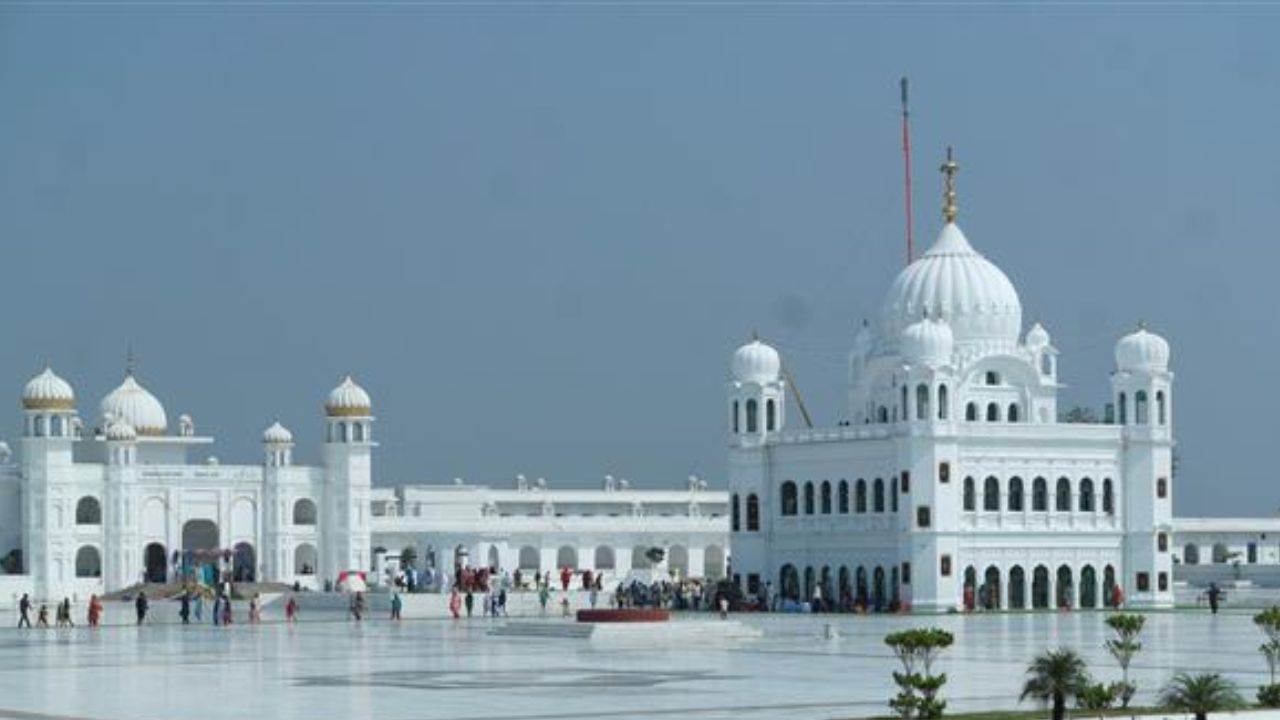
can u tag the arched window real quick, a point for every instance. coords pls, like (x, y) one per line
(56, 426)
(1108, 500)
(993, 412)
(943, 408)
(993, 377)
(753, 410)
(1086, 495)
(770, 416)
(88, 562)
(882, 415)
(860, 496)
(753, 513)
(88, 511)
(1220, 553)
(922, 402)
(733, 513)
(826, 497)
(603, 560)
(893, 494)
(808, 498)
(1062, 502)
(970, 499)
(991, 494)
(736, 429)
(843, 497)
(304, 512)
(877, 495)
(1160, 411)
(906, 413)
(1191, 554)
(789, 504)
(39, 425)
(1015, 494)
(1140, 407)
(1039, 495)
(357, 430)
(1013, 413)
(1124, 409)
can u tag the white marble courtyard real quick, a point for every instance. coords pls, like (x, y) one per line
(329, 668)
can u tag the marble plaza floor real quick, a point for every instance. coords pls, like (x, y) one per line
(420, 669)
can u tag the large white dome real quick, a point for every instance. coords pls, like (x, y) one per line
(756, 362)
(47, 391)
(952, 281)
(133, 404)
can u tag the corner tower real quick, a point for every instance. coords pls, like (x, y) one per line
(348, 452)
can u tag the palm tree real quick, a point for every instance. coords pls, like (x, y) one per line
(1201, 694)
(1054, 677)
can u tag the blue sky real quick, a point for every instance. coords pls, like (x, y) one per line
(536, 232)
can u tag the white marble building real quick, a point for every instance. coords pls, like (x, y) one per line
(536, 529)
(100, 507)
(953, 470)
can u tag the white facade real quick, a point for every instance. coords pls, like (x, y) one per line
(953, 469)
(102, 507)
(538, 530)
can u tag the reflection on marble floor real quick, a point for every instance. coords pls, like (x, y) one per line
(443, 669)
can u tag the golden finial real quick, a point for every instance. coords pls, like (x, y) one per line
(949, 168)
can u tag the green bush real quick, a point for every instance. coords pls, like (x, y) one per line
(918, 687)
(1269, 696)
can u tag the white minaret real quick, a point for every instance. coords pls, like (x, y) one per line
(48, 502)
(757, 409)
(348, 454)
(277, 447)
(122, 560)
(1142, 386)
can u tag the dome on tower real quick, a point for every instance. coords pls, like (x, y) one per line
(119, 430)
(927, 341)
(136, 406)
(1142, 350)
(47, 391)
(348, 400)
(1037, 337)
(277, 434)
(955, 282)
(756, 362)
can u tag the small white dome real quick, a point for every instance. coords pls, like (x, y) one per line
(277, 434)
(756, 362)
(119, 430)
(1142, 350)
(928, 342)
(1037, 337)
(47, 391)
(954, 281)
(348, 400)
(136, 406)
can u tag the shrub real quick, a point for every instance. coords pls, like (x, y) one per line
(918, 687)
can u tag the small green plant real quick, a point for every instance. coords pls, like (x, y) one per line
(1098, 698)
(1201, 694)
(918, 687)
(1123, 647)
(1268, 621)
(1055, 677)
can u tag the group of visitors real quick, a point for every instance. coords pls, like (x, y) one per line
(63, 619)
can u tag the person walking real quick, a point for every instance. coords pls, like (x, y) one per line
(24, 611)
(1215, 595)
(455, 603)
(396, 604)
(42, 618)
(502, 601)
(95, 610)
(544, 594)
(226, 610)
(291, 610)
(357, 607)
(184, 608)
(255, 609)
(723, 602)
(140, 606)
(469, 601)
(198, 607)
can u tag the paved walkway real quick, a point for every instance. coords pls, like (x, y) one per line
(329, 668)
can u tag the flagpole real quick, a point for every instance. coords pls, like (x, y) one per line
(906, 165)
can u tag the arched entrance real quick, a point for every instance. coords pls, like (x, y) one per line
(1108, 586)
(1040, 588)
(155, 561)
(1017, 588)
(244, 563)
(877, 588)
(789, 582)
(1066, 588)
(1088, 587)
(860, 585)
(200, 535)
(991, 588)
